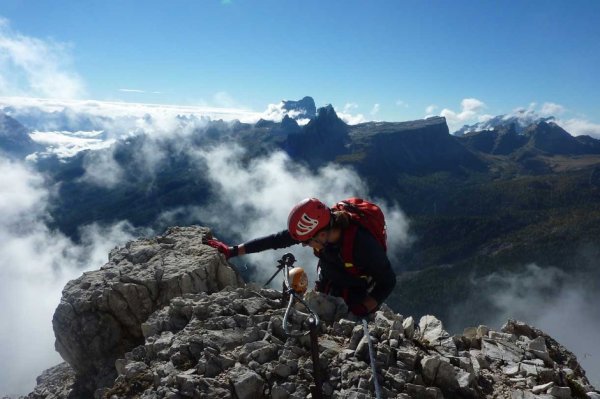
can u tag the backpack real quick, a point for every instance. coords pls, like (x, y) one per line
(362, 214)
(367, 215)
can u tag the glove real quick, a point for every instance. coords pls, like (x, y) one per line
(221, 247)
(358, 309)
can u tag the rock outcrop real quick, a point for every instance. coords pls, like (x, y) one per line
(101, 313)
(193, 330)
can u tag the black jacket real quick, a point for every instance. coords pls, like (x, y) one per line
(368, 255)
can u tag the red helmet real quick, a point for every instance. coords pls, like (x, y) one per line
(307, 218)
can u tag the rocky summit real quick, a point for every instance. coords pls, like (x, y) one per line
(167, 317)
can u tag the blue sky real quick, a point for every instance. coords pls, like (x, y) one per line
(403, 56)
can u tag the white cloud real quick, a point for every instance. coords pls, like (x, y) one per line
(431, 109)
(102, 169)
(66, 144)
(35, 264)
(114, 109)
(470, 108)
(132, 91)
(36, 67)
(348, 107)
(578, 127)
(348, 116)
(401, 103)
(351, 119)
(276, 112)
(552, 109)
(375, 109)
(255, 199)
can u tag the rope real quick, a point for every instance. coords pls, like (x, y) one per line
(372, 357)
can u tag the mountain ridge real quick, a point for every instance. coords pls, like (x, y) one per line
(168, 317)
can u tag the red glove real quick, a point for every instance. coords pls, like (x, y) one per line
(221, 247)
(358, 309)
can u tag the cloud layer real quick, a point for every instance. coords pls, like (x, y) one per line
(35, 264)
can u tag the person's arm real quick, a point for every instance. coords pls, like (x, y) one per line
(369, 254)
(282, 239)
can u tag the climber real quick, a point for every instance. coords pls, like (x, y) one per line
(353, 263)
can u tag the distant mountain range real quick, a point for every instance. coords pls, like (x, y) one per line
(521, 120)
(14, 138)
(481, 201)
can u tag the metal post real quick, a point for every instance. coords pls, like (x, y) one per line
(372, 357)
(317, 388)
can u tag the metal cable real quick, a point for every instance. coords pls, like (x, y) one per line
(372, 357)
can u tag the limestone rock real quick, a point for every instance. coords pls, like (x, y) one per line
(100, 315)
(409, 327)
(54, 383)
(328, 308)
(431, 330)
(227, 341)
(247, 384)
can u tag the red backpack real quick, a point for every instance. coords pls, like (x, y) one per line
(367, 215)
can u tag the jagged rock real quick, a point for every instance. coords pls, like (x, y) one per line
(560, 392)
(432, 330)
(247, 384)
(482, 331)
(54, 383)
(439, 372)
(409, 327)
(101, 313)
(518, 328)
(541, 388)
(499, 350)
(511, 369)
(229, 343)
(328, 308)
(538, 347)
(344, 327)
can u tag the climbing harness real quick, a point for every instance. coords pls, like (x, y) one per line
(372, 357)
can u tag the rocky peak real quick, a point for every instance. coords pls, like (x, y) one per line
(327, 122)
(301, 109)
(552, 139)
(321, 140)
(521, 121)
(289, 125)
(168, 318)
(101, 313)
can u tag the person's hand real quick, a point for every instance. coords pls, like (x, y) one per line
(365, 307)
(221, 247)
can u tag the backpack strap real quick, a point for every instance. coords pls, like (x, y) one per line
(347, 251)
